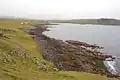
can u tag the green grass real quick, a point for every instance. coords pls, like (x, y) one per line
(19, 58)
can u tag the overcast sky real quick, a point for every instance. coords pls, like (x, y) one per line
(60, 9)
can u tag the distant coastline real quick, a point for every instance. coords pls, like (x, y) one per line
(101, 21)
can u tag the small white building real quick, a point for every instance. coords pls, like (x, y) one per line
(21, 23)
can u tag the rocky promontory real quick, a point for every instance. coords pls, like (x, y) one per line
(70, 55)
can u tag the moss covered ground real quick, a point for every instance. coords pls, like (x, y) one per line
(21, 60)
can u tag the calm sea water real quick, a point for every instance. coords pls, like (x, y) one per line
(102, 35)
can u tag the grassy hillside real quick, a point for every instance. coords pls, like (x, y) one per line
(21, 60)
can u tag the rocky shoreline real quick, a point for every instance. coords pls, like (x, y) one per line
(70, 55)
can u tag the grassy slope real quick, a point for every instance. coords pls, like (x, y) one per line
(19, 57)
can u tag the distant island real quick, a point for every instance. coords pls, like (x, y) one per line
(101, 21)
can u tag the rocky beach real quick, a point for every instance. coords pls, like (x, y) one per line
(70, 55)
